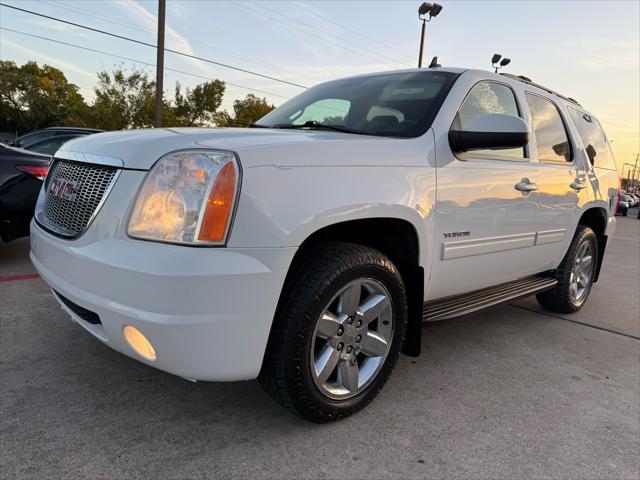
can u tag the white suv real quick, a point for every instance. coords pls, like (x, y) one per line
(307, 251)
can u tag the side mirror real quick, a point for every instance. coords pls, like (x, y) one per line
(492, 131)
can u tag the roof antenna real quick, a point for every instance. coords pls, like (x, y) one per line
(434, 63)
(503, 63)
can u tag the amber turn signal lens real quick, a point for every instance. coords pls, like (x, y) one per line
(219, 204)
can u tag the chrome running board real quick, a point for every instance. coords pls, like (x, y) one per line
(457, 305)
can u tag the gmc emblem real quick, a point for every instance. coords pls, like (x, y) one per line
(63, 188)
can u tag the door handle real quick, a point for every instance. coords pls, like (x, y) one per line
(578, 184)
(526, 186)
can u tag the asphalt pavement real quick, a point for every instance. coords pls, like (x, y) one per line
(510, 392)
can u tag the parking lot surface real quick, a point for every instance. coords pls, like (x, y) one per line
(511, 392)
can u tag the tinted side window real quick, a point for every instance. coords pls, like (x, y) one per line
(35, 137)
(592, 136)
(485, 98)
(548, 128)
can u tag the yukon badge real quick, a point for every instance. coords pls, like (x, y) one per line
(63, 188)
(457, 234)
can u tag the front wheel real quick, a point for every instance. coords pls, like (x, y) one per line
(575, 274)
(338, 332)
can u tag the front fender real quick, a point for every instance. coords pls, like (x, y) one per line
(282, 206)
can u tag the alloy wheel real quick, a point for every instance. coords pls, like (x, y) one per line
(581, 272)
(352, 338)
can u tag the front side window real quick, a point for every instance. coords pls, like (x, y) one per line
(549, 130)
(593, 139)
(486, 98)
(393, 104)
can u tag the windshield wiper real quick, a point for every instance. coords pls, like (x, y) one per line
(312, 124)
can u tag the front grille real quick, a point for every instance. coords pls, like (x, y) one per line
(74, 193)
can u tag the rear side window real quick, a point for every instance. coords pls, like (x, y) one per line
(593, 139)
(549, 130)
(483, 99)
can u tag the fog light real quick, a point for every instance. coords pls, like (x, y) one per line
(139, 342)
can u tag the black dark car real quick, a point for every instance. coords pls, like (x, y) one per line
(31, 139)
(21, 176)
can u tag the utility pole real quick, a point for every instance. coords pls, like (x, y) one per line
(160, 61)
(635, 167)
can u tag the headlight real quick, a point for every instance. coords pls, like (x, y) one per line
(188, 197)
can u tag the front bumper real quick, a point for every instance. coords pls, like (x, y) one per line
(206, 311)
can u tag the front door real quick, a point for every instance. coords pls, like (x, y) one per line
(487, 212)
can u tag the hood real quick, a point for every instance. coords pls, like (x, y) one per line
(140, 149)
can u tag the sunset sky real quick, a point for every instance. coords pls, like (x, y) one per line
(586, 50)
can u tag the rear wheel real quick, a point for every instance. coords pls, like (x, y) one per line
(338, 333)
(575, 274)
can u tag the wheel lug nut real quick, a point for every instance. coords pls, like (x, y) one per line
(359, 323)
(340, 331)
(340, 346)
(350, 321)
(349, 349)
(358, 338)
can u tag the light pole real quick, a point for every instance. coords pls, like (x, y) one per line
(424, 9)
(160, 62)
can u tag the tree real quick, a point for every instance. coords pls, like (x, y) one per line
(123, 100)
(198, 106)
(246, 112)
(34, 97)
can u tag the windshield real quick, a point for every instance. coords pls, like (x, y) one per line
(391, 104)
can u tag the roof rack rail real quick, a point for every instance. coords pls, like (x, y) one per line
(527, 80)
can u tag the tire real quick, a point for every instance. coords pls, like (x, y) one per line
(322, 283)
(625, 213)
(575, 279)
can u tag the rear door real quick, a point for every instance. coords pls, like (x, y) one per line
(561, 179)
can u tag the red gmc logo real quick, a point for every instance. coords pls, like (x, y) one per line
(63, 188)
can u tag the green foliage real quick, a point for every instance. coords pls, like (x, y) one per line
(123, 100)
(34, 97)
(246, 111)
(198, 106)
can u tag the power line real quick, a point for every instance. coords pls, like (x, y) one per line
(138, 61)
(322, 31)
(140, 42)
(257, 12)
(177, 38)
(370, 39)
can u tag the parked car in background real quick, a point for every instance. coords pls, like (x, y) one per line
(623, 205)
(21, 176)
(635, 197)
(630, 199)
(30, 139)
(50, 145)
(307, 251)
